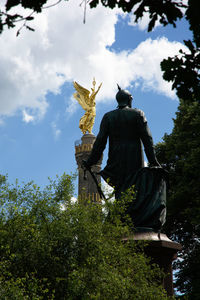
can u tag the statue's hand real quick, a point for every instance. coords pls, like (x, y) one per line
(158, 166)
(84, 165)
(155, 164)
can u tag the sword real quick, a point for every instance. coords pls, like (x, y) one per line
(85, 167)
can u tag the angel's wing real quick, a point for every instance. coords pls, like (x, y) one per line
(81, 91)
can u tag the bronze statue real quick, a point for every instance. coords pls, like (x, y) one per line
(127, 129)
(87, 102)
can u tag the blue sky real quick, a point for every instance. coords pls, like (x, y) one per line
(38, 116)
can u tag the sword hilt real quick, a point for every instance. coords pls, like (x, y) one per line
(85, 168)
(85, 174)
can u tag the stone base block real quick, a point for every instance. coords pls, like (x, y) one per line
(162, 251)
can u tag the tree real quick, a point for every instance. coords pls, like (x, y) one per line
(167, 11)
(179, 153)
(73, 253)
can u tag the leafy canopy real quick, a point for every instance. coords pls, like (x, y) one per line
(71, 253)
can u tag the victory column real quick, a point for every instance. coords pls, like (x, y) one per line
(87, 187)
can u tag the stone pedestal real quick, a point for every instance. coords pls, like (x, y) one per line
(87, 189)
(163, 252)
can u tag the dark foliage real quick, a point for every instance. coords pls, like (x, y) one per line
(180, 155)
(184, 72)
(166, 11)
(9, 20)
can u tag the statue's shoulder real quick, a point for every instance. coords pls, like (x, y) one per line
(138, 111)
(140, 115)
(108, 116)
(110, 113)
(135, 111)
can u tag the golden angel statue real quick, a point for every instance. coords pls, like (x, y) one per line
(87, 101)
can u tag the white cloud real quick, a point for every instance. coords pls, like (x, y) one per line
(27, 117)
(63, 205)
(73, 199)
(143, 23)
(107, 190)
(56, 130)
(142, 66)
(63, 49)
(72, 105)
(1, 122)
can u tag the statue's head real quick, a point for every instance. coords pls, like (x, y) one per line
(123, 97)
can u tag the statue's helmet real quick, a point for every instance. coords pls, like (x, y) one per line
(123, 97)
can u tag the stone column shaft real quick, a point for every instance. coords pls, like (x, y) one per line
(87, 189)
